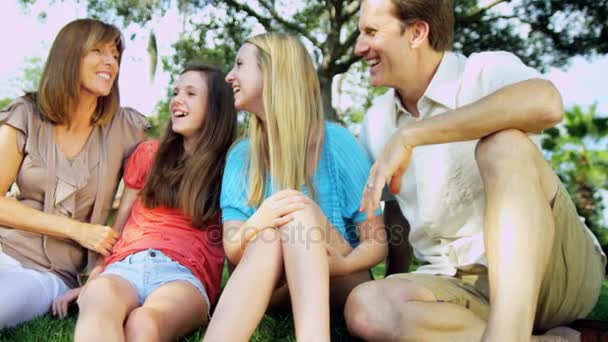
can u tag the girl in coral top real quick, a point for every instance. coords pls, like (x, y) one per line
(165, 271)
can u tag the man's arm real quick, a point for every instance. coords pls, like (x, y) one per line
(529, 106)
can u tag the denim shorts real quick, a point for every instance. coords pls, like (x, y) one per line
(147, 270)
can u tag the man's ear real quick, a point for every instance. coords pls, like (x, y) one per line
(419, 33)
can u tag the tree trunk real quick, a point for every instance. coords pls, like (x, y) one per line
(325, 83)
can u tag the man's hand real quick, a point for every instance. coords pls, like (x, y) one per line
(388, 169)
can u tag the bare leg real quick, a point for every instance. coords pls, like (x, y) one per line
(518, 230)
(252, 282)
(394, 309)
(339, 289)
(399, 310)
(307, 271)
(104, 304)
(170, 312)
(400, 252)
(311, 229)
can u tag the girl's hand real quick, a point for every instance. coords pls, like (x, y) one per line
(61, 303)
(276, 211)
(95, 237)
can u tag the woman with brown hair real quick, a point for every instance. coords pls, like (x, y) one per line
(64, 146)
(165, 271)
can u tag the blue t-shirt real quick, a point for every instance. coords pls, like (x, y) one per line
(339, 181)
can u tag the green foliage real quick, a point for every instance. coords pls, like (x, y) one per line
(600, 312)
(158, 122)
(5, 102)
(32, 73)
(542, 33)
(225, 34)
(30, 79)
(153, 54)
(578, 152)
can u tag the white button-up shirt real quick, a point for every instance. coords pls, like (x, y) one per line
(442, 194)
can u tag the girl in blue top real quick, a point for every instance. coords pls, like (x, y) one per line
(290, 199)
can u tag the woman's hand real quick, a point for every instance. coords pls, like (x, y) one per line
(61, 303)
(95, 237)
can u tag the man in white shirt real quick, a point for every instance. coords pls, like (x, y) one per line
(456, 139)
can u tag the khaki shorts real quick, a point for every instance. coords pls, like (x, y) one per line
(570, 287)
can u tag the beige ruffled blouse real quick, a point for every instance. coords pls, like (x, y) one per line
(81, 188)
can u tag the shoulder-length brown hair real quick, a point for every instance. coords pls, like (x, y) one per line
(59, 89)
(193, 184)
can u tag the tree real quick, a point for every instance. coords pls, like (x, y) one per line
(5, 102)
(28, 82)
(32, 73)
(542, 33)
(578, 151)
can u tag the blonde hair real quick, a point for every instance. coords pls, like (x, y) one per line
(293, 113)
(59, 88)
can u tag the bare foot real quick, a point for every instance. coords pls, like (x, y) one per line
(559, 334)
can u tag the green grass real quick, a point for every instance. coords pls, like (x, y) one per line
(274, 326)
(600, 312)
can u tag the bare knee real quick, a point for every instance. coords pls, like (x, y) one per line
(99, 294)
(303, 230)
(268, 243)
(365, 311)
(143, 324)
(504, 154)
(308, 217)
(509, 150)
(377, 310)
(310, 227)
(504, 146)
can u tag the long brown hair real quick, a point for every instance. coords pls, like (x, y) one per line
(59, 88)
(193, 183)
